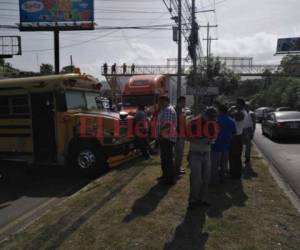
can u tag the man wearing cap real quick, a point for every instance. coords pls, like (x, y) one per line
(166, 129)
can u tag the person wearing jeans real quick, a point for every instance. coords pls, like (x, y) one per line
(199, 161)
(236, 146)
(220, 149)
(167, 135)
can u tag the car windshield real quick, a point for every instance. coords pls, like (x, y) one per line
(144, 100)
(288, 115)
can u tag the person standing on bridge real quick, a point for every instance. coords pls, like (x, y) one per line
(113, 68)
(132, 68)
(105, 68)
(124, 68)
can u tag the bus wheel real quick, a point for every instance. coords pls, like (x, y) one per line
(88, 160)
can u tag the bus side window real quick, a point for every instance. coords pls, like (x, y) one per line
(61, 105)
(4, 106)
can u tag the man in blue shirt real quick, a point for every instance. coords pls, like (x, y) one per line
(220, 149)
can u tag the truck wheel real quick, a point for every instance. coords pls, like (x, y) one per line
(88, 160)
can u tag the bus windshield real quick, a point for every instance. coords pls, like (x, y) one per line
(83, 100)
(135, 101)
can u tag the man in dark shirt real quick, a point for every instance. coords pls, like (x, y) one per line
(141, 130)
(220, 149)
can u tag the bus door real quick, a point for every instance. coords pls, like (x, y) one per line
(43, 124)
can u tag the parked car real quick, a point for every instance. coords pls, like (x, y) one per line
(282, 124)
(262, 112)
(284, 109)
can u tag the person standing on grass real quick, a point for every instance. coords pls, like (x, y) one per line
(181, 127)
(141, 131)
(236, 146)
(220, 149)
(166, 129)
(248, 132)
(199, 157)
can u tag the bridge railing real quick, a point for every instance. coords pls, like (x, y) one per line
(172, 69)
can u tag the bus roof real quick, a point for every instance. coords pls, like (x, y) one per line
(50, 82)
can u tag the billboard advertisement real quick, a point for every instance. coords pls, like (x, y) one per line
(58, 14)
(288, 45)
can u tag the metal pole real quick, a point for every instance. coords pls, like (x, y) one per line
(56, 51)
(207, 49)
(179, 50)
(194, 44)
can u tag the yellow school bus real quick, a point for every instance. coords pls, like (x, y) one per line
(60, 120)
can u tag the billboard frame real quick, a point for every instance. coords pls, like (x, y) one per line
(287, 52)
(37, 24)
(18, 45)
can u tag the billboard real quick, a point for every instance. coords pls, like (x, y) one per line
(45, 15)
(288, 45)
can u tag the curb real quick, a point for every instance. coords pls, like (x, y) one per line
(288, 190)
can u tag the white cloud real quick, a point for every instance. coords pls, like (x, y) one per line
(261, 47)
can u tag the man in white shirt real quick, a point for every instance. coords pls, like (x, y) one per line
(248, 131)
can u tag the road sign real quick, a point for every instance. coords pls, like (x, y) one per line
(202, 91)
(47, 15)
(288, 45)
(10, 46)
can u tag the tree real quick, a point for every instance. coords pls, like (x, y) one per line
(2, 61)
(46, 68)
(214, 73)
(68, 69)
(290, 65)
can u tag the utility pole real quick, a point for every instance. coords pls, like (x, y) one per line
(179, 49)
(56, 51)
(208, 44)
(194, 42)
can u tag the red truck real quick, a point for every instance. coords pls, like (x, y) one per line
(146, 90)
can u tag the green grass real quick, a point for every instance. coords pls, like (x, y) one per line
(126, 209)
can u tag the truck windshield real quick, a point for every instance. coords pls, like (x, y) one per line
(135, 101)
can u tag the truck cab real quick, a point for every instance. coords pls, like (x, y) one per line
(145, 90)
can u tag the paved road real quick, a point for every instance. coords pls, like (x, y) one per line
(24, 196)
(285, 156)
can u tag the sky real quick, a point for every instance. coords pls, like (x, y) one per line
(245, 28)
